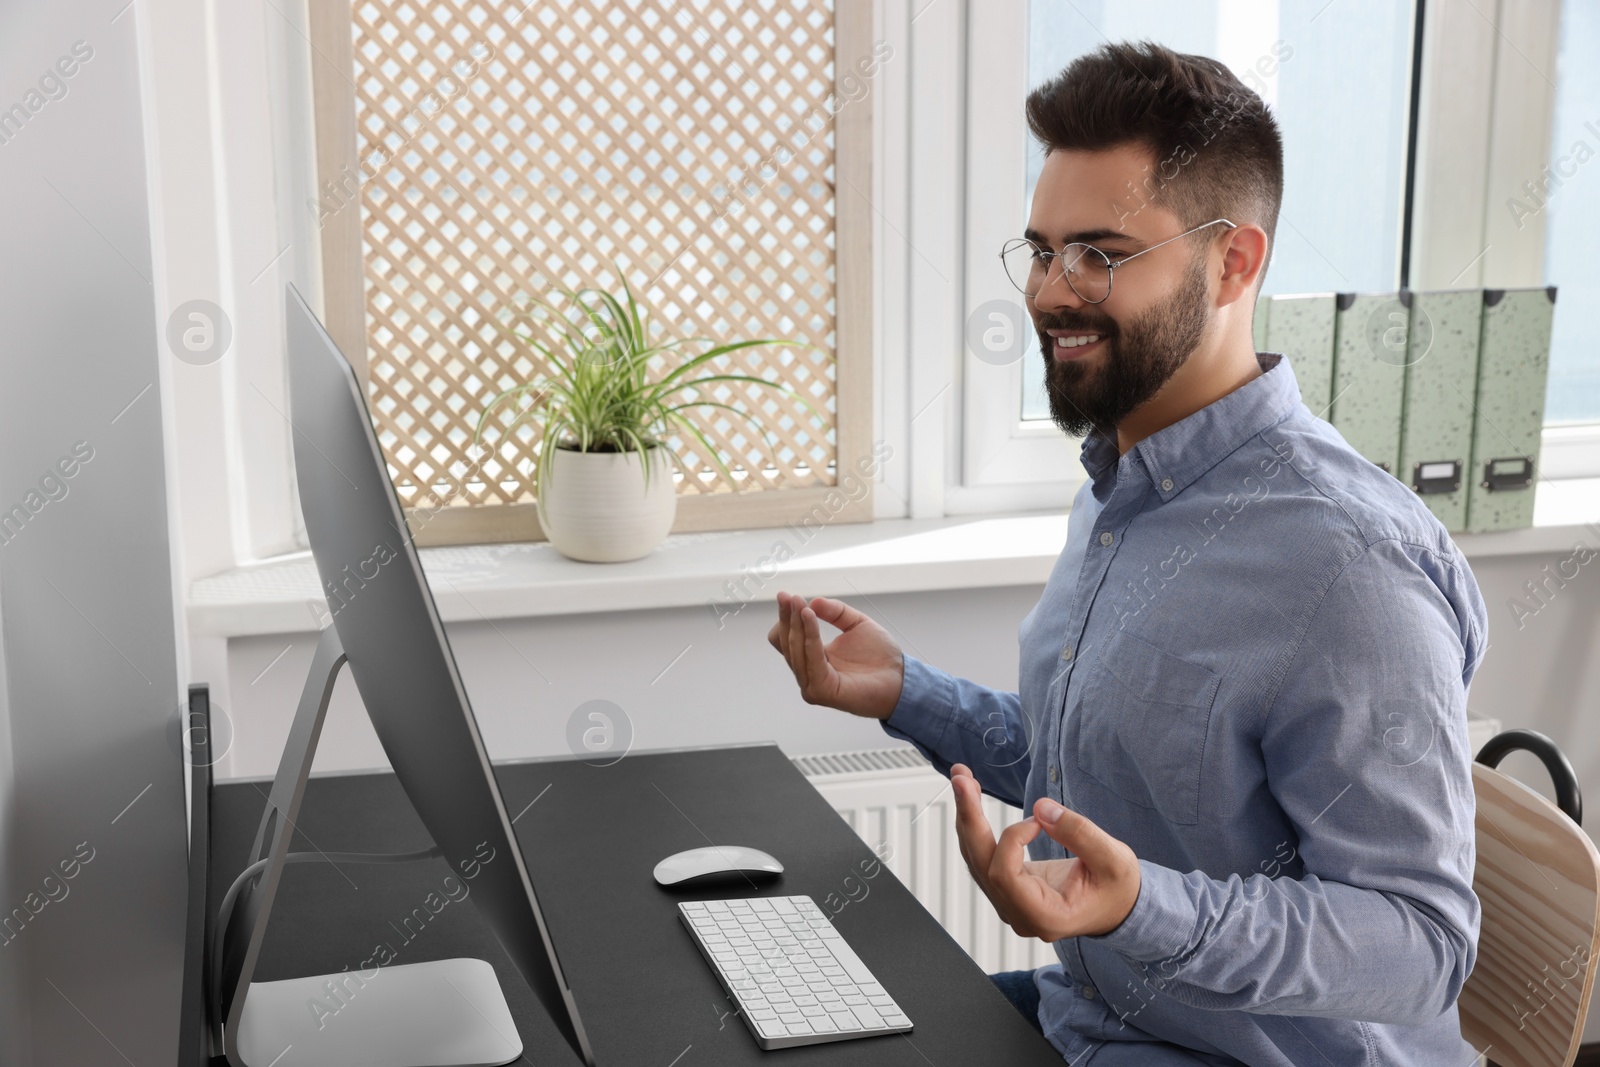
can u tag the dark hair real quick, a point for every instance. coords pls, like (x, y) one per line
(1217, 148)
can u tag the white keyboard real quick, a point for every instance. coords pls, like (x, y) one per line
(794, 979)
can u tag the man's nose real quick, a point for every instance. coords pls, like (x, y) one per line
(1055, 294)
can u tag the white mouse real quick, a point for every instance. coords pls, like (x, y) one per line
(715, 861)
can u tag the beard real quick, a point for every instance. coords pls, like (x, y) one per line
(1136, 362)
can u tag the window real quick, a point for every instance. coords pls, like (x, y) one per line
(1571, 217)
(714, 150)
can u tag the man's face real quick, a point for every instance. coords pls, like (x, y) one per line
(1160, 303)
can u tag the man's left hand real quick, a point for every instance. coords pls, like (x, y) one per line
(1086, 895)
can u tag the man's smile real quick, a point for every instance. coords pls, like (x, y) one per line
(1074, 344)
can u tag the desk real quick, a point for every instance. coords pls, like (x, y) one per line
(591, 835)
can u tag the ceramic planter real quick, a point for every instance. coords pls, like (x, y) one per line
(596, 508)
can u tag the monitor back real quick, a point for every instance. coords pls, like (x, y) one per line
(399, 656)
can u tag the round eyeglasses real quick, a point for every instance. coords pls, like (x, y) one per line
(1087, 269)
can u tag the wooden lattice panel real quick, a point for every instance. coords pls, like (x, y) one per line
(510, 151)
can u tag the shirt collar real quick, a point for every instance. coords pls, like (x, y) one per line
(1194, 444)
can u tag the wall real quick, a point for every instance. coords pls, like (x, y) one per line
(92, 807)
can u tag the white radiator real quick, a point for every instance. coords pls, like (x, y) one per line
(904, 810)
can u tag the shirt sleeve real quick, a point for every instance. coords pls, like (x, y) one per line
(1367, 910)
(952, 720)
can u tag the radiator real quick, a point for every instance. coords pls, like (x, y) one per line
(904, 810)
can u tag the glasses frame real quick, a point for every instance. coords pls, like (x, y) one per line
(1111, 266)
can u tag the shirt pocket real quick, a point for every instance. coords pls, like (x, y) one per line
(1143, 723)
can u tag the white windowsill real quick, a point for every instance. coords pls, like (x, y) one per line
(473, 582)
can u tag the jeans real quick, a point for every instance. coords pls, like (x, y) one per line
(1019, 988)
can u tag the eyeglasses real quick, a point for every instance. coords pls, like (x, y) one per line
(1087, 269)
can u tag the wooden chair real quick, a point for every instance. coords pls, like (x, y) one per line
(1538, 879)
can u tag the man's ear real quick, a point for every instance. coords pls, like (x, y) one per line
(1244, 257)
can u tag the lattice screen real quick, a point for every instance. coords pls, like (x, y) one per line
(512, 151)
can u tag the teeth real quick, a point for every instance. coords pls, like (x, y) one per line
(1077, 340)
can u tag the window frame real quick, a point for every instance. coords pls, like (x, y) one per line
(1000, 447)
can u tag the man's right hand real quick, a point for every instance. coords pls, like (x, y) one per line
(860, 671)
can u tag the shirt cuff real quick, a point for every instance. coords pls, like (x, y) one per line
(924, 710)
(1162, 921)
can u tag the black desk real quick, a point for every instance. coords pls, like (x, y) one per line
(591, 838)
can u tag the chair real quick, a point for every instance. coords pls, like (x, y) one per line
(1538, 879)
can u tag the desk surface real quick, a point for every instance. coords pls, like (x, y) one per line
(591, 835)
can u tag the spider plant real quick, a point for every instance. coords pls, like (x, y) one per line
(601, 397)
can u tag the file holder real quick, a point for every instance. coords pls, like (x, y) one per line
(1513, 374)
(1441, 374)
(1369, 373)
(1301, 327)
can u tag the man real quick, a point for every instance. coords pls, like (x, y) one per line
(1241, 724)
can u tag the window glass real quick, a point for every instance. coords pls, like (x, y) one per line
(1571, 215)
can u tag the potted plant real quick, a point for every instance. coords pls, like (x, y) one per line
(605, 490)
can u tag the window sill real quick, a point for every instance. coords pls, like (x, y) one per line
(726, 570)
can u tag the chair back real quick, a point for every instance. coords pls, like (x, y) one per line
(1538, 880)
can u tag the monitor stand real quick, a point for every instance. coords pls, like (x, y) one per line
(446, 1013)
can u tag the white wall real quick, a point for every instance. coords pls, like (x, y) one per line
(677, 679)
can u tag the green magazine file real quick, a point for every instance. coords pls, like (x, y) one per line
(1301, 327)
(1513, 370)
(1369, 352)
(1441, 381)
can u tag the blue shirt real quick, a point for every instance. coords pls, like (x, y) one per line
(1250, 664)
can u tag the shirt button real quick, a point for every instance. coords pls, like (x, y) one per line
(1066, 653)
(1166, 485)
(1088, 992)
(1053, 775)
(1106, 538)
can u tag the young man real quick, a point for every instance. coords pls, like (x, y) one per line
(1242, 710)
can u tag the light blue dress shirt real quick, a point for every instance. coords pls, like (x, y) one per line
(1250, 664)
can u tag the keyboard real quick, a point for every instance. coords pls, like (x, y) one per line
(793, 977)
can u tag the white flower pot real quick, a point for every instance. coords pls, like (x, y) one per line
(596, 508)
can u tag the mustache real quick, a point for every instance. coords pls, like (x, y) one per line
(1104, 327)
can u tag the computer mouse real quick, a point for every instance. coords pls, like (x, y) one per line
(715, 862)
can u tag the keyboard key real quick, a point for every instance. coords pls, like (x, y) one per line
(845, 1021)
(869, 1019)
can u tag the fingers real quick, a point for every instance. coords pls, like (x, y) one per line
(1027, 909)
(972, 827)
(817, 667)
(1005, 866)
(803, 647)
(776, 635)
(837, 613)
(1081, 837)
(796, 646)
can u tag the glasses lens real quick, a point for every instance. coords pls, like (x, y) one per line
(1088, 271)
(1025, 265)
(1087, 268)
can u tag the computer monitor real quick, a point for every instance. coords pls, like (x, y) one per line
(399, 656)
